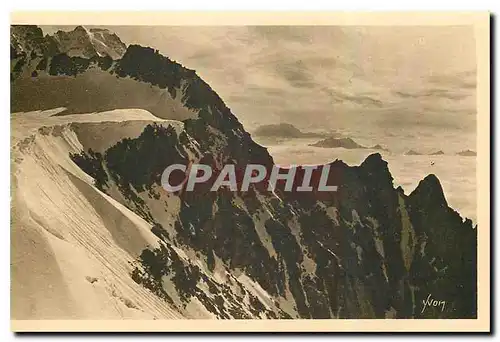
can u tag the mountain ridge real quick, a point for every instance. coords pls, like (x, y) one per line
(284, 130)
(80, 42)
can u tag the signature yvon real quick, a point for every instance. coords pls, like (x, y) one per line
(430, 302)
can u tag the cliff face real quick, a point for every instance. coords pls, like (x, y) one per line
(365, 251)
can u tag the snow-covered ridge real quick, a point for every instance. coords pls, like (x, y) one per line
(81, 42)
(68, 239)
(84, 42)
(72, 241)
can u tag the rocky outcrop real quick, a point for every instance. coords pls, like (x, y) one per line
(412, 153)
(337, 142)
(81, 42)
(449, 245)
(29, 40)
(88, 43)
(467, 153)
(379, 147)
(283, 130)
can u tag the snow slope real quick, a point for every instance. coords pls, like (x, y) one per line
(69, 240)
(72, 241)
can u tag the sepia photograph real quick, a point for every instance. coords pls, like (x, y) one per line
(285, 172)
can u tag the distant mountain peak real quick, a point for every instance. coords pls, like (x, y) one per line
(79, 28)
(413, 153)
(467, 153)
(331, 142)
(379, 147)
(284, 130)
(81, 42)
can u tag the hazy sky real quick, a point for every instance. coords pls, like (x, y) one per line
(324, 77)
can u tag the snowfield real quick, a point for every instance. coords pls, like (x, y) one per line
(69, 240)
(72, 241)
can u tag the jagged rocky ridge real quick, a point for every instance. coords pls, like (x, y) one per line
(81, 42)
(366, 251)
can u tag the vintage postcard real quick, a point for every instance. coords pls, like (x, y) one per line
(250, 172)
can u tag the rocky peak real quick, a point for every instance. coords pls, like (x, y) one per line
(376, 167)
(430, 191)
(81, 42)
(80, 29)
(29, 39)
(88, 43)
